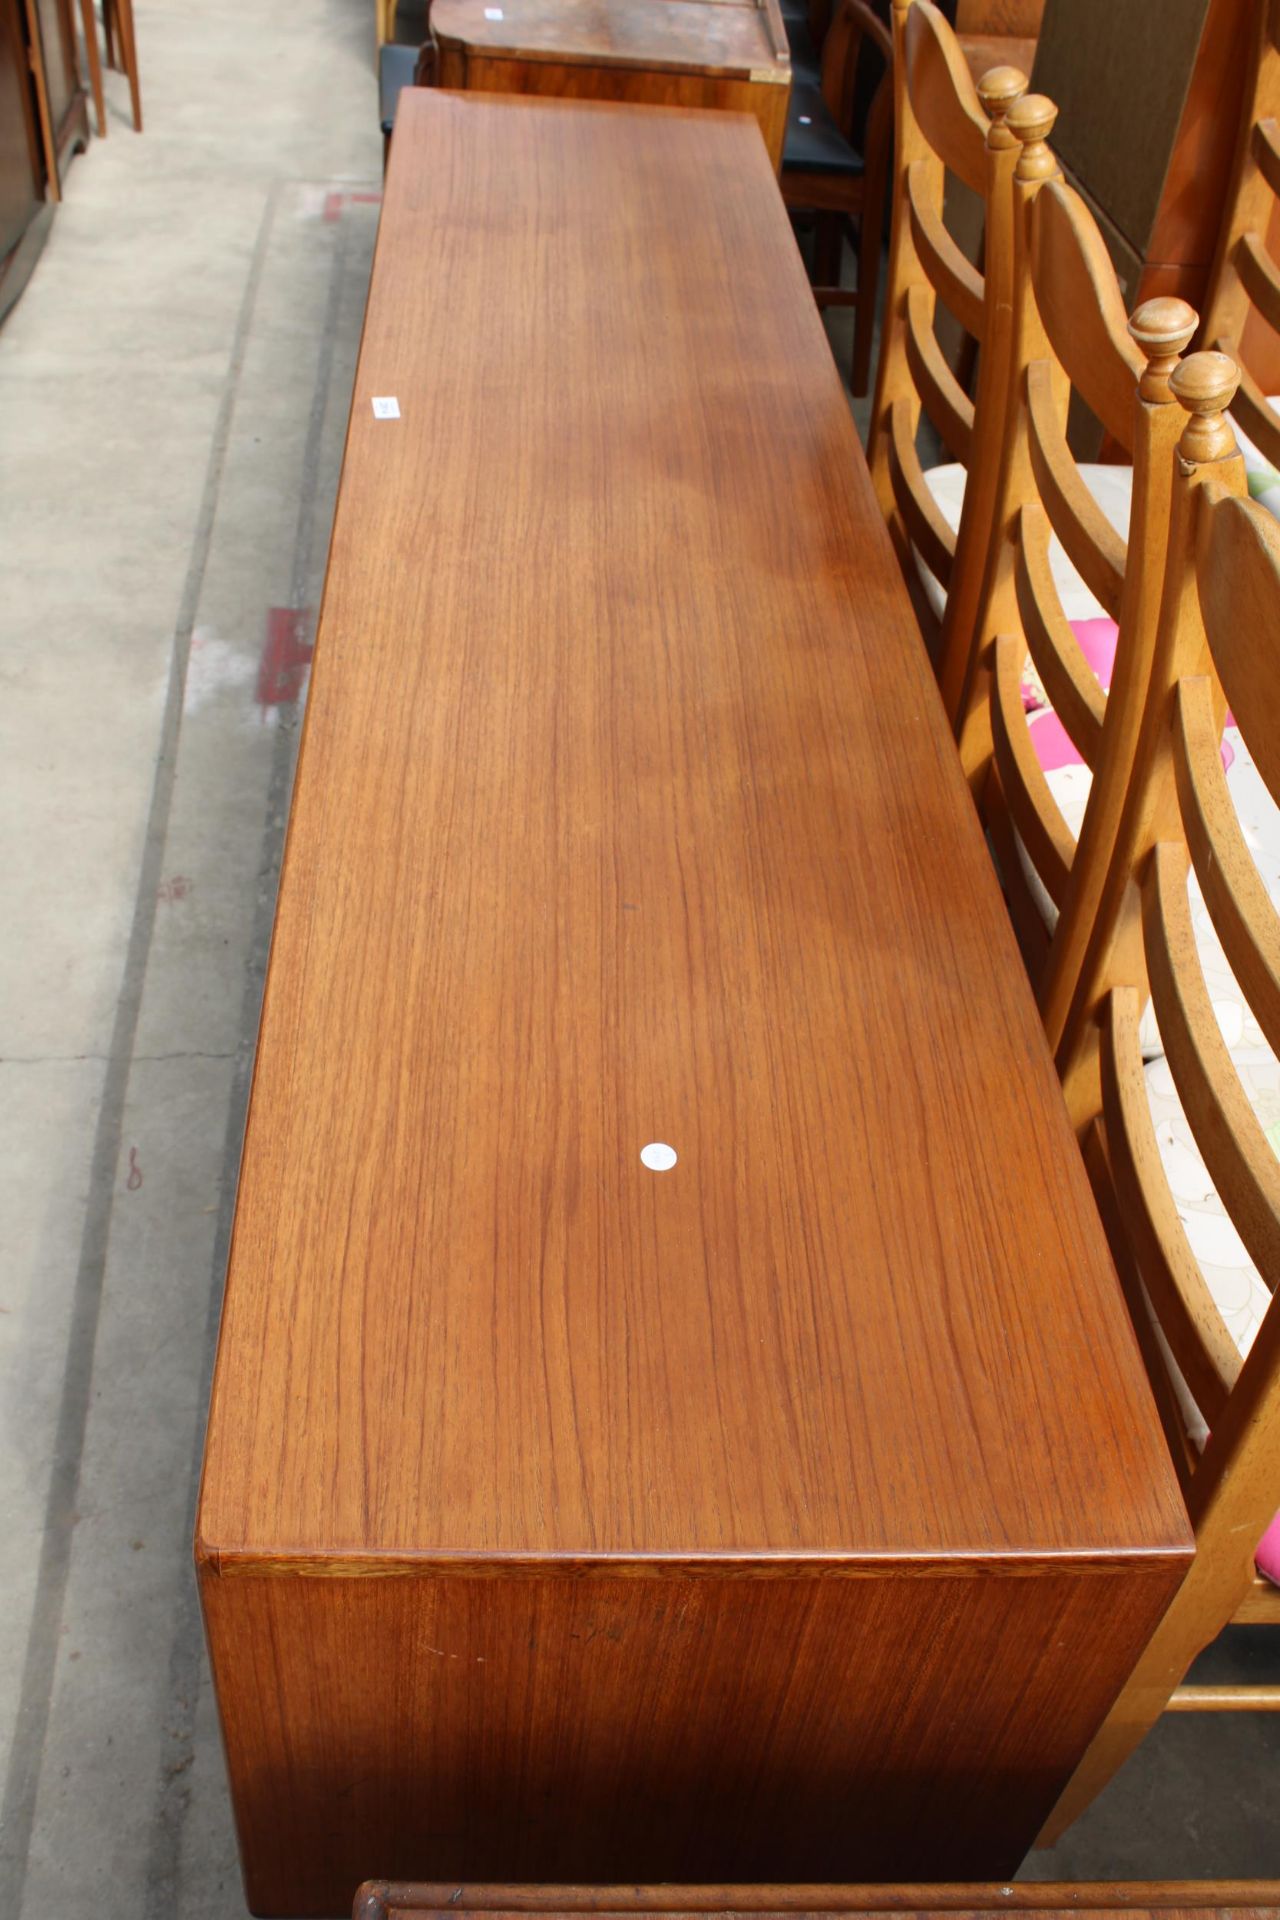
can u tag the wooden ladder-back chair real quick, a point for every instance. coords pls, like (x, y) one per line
(1190, 1143)
(1243, 307)
(823, 172)
(1071, 596)
(939, 519)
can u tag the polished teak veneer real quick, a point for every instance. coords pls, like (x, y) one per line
(797, 1511)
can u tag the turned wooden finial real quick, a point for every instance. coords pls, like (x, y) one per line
(997, 91)
(1032, 118)
(1205, 384)
(1162, 328)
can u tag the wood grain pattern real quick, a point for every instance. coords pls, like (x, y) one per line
(725, 54)
(627, 811)
(1188, 1900)
(569, 1728)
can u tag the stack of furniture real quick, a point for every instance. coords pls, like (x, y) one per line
(694, 1399)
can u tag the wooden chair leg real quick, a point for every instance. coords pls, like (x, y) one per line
(827, 250)
(1204, 1604)
(870, 234)
(129, 53)
(864, 326)
(90, 25)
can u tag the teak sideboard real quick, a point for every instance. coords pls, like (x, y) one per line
(675, 53)
(794, 1512)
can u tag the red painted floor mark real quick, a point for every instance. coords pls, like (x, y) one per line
(333, 207)
(365, 199)
(134, 1180)
(175, 889)
(286, 655)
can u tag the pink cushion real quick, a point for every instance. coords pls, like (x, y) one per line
(1054, 746)
(1267, 1557)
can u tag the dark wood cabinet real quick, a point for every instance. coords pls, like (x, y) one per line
(43, 121)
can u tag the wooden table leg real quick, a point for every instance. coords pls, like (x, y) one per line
(129, 51)
(95, 64)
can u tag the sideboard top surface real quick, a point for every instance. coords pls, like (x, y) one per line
(627, 814)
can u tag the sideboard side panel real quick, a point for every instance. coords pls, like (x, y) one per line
(623, 1729)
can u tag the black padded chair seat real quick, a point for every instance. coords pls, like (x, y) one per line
(395, 72)
(814, 143)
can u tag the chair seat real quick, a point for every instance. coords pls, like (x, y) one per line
(396, 67)
(1111, 487)
(814, 143)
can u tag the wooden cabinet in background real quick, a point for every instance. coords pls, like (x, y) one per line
(1147, 125)
(730, 54)
(43, 121)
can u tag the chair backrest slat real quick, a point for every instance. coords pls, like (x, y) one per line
(1088, 332)
(1240, 1159)
(1238, 902)
(947, 404)
(1243, 279)
(920, 515)
(1237, 565)
(943, 127)
(1093, 546)
(1259, 278)
(946, 101)
(1202, 1348)
(1257, 419)
(955, 280)
(1069, 335)
(1072, 690)
(1219, 615)
(1152, 1343)
(1045, 837)
(1265, 141)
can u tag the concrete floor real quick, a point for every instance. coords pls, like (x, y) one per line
(173, 393)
